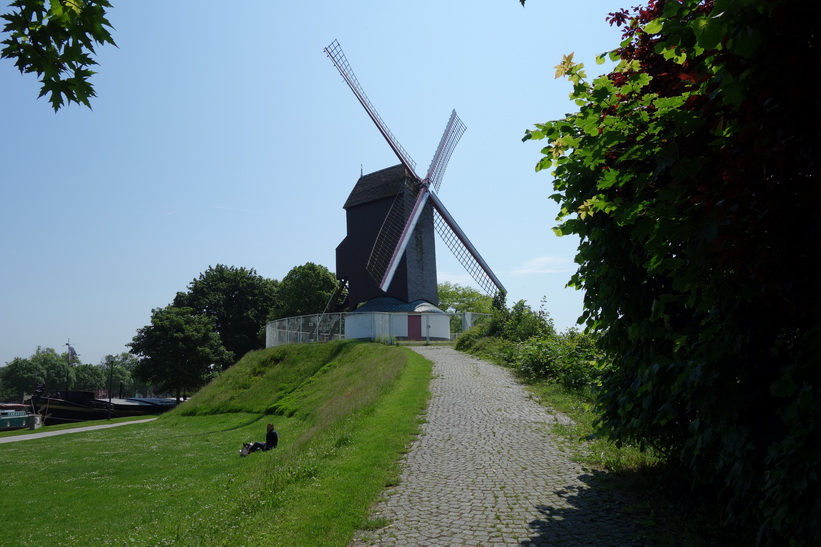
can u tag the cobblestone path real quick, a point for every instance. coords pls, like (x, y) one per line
(487, 470)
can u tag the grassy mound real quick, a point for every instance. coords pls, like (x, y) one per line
(344, 411)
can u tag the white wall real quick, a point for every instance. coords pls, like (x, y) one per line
(376, 325)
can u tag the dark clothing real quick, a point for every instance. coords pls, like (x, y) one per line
(271, 440)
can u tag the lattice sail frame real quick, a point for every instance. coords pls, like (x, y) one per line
(460, 251)
(464, 251)
(450, 138)
(380, 267)
(337, 56)
(391, 230)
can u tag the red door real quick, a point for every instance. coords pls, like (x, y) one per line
(414, 327)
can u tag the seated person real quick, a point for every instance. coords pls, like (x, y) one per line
(271, 440)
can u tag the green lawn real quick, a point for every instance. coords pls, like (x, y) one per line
(344, 411)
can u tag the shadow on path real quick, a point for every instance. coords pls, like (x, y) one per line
(594, 512)
(616, 509)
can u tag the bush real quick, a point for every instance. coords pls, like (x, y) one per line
(527, 342)
(490, 348)
(522, 323)
(570, 358)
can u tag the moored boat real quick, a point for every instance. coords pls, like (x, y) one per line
(77, 406)
(16, 416)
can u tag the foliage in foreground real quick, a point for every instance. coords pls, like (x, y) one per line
(179, 480)
(55, 40)
(690, 176)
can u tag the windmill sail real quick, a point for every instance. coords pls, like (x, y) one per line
(337, 56)
(408, 205)
(463, 249)
(453, 132)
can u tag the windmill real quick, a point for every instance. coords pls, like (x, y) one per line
(389, 250)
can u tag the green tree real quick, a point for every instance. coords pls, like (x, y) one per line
(305, 290)
(239, 301)
(121, 381)
(178, 350)
(126, 360)
(123, 375)
(44, 367)
(55, 40)
(89, 378)
(458, 299)
(524, 323)
(690, 176)
(58, 369)
(21, 376)
(115, 377)
(7, 393)
(129, 362)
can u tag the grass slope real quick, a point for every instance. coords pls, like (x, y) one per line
(344, 411)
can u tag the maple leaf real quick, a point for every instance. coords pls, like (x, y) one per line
(565, 66)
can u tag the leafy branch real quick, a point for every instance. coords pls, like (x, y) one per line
(55, 40)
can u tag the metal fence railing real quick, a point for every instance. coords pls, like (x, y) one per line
(305, 329)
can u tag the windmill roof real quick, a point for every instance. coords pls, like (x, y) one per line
(389, 304)
(385, 183)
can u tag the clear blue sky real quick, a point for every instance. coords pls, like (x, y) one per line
(222, 134)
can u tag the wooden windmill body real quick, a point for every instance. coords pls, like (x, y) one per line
(388, 255)
(366, 209)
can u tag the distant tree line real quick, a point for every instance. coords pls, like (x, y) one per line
(218, 319)
(55, 372)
